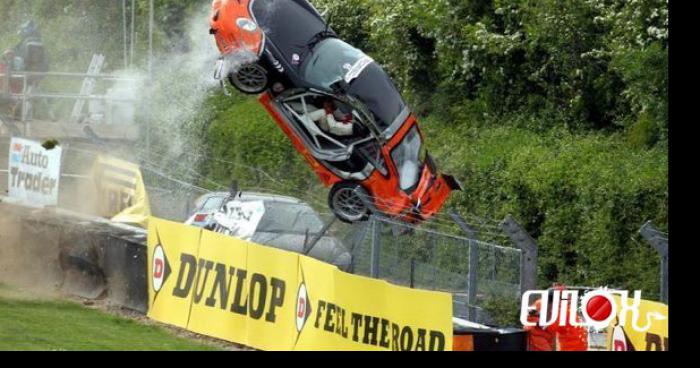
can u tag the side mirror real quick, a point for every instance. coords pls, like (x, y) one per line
(453, 183)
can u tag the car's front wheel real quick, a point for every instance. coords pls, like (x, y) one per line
(250, 79)
(347, 201)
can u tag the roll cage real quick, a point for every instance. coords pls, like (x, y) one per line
(353, 157)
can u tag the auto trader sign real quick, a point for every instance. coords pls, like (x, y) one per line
(34, 173)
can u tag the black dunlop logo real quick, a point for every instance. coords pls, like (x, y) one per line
(264, 296)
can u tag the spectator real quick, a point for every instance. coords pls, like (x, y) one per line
(8, 84)
(31, 52)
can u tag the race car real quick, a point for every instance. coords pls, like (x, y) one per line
(340, 109)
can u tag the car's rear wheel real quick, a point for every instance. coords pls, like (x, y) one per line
(250, 79)
(346, 201)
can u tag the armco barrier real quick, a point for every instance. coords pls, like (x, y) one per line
(272, 299)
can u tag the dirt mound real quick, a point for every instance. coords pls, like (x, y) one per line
(29, 254)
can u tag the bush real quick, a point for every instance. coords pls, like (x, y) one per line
(583, 197)
(587, 65)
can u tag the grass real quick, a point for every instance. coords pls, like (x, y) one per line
(59, 325)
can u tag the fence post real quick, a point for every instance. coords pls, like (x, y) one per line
(376, 247)
(473, 264)
(528, 258)
(653, 237)
(412, 276)
(470, 231)
(357, 240)
(473, 269)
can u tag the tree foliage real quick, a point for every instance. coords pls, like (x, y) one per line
(593, 64)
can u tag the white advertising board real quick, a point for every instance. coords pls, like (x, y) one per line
(33, 173)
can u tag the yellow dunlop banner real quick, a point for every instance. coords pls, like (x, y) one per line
(272, 299)
(121, 191)
(349, 312)
(627, 338)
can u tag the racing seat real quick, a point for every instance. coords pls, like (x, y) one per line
(323, 140)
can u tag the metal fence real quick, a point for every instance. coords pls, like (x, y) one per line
(102, 98)
(659, 241)
(475, 272)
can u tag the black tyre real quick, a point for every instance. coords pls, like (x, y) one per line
(345, 200)
(251, 79)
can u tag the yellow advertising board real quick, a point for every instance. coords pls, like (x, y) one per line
(653, 338)
(164, 271)
(272, 299)
(349, 312)
(121, 191)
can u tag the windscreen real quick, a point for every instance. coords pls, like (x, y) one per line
(406, 157)
(212, 204)
(331, 61)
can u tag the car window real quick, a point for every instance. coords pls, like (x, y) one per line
(289, 218)
(377, 91)
(212, 204)
(331, 61)
(406, 157)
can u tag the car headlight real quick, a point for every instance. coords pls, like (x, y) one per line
(246, 25)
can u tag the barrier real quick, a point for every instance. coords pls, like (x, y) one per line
(121, 192)
(489, 339)
(53, 249)
(276, 300)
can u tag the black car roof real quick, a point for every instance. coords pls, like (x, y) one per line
(289, 25)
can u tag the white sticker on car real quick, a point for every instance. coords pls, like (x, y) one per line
(240, 219)
(358, 68)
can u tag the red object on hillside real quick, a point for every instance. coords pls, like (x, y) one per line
(555, 337)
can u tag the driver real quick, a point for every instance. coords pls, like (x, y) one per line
(332, 120)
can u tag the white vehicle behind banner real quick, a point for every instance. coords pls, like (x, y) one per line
(272, 220)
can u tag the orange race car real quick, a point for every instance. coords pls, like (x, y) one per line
(341, 110)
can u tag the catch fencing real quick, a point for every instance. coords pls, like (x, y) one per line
(476, 272)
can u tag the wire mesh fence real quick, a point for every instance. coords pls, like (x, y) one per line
(474, 271)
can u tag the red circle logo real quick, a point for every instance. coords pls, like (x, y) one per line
(599, 308)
